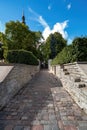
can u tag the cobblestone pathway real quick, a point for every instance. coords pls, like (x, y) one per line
(43, 104)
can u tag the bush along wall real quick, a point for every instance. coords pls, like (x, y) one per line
(65, 56)
(21, 56)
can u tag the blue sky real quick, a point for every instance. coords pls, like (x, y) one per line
(69, 17)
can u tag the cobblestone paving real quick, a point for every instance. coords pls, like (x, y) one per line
(43, 104)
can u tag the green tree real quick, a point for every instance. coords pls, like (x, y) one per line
(60, 42)
(77, 51)
(54, 44)
(19, 36)
(45, 51)
(2, 37)
(38, 37)
(16, 34)
(80, 49)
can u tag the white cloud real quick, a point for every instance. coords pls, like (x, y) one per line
(33, 12)
(58, 27)
(69, 6)
(70, 41)
(42, 21)
(46, 32)
(38, 18)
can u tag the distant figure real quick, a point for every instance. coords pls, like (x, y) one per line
(44, 65)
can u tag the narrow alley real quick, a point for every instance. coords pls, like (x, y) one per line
(43, 104)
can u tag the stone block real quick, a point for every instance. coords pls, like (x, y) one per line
(81, 85)
(77, 80)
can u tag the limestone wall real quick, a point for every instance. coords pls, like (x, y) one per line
(18, 76)
(74, 80)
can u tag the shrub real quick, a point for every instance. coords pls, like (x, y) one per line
(21, 56)
(65, 56)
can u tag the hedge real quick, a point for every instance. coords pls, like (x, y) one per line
(65, 56)
(21, 56)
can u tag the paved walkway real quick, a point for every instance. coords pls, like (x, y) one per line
(43, 105)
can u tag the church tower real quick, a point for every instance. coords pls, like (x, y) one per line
(23, 18)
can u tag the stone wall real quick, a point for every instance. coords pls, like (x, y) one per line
(15, 80)
(74, 80)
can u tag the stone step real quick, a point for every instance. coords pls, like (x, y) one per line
(75, 78)
(84, 77)
(75, 72)
(84, 80)
(73, 66)
(75, 75)
(72, 69)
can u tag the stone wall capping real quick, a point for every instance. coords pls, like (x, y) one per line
(74, 63)
(68, 64)
(74, 75)
(81, 62)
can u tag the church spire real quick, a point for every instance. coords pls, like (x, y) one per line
(23, 18)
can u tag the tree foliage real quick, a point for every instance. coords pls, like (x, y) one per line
(79, 45)
(18, 36)
(65, 56)
(77, 51)
(44, 51)
(54, 44)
